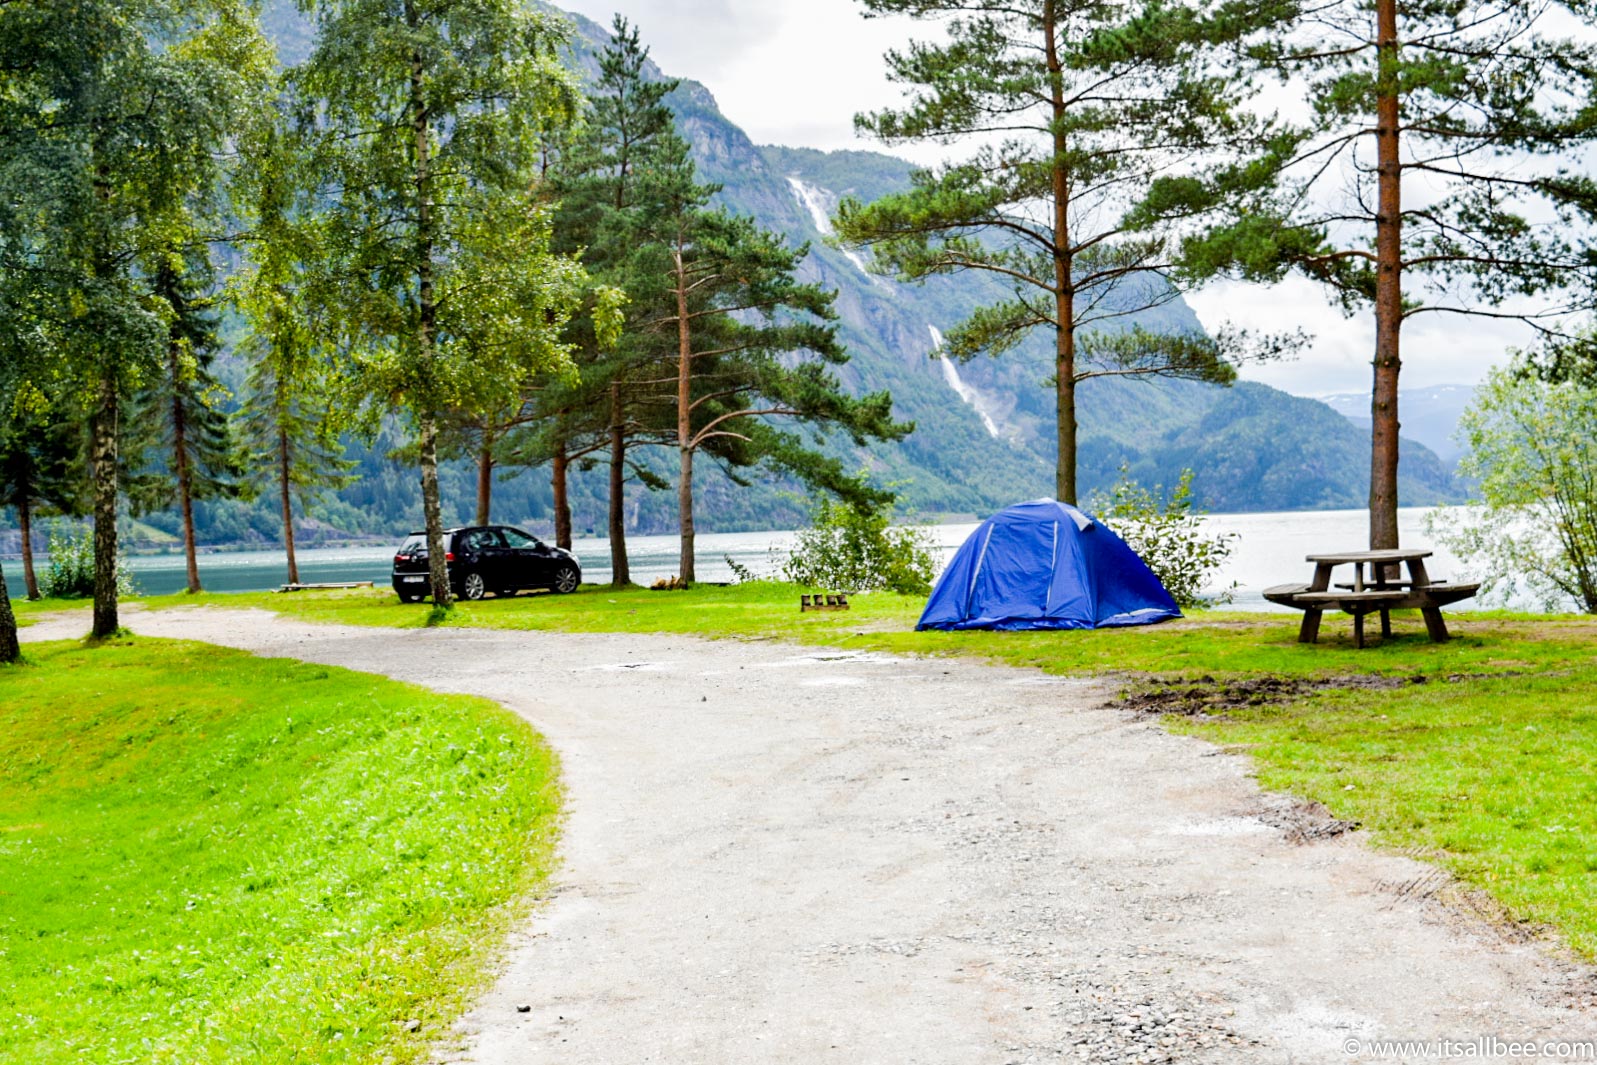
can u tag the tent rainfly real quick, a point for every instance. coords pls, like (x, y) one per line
(1046, 565)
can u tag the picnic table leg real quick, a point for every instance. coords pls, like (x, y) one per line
(1309, 631)
(1435, 625)
(1386, 624)
(1358, 630)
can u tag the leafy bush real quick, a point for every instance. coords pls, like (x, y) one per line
(849, 548)
(70, 572)
(1168, 535)
(1532, 445)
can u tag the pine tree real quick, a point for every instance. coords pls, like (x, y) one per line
(597, 179)
(749, 342)
(1076, 107)
(180, 442)
(1440, 130)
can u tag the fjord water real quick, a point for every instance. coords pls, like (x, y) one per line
(1270, 549)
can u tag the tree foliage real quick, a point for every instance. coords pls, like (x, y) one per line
(179, 441)
(296, 401)
(114, 119)
(426, 119)
(749, 342)
(854, 547)
(1167, 533)
(1074, 109)
(1433, 174)
(1532, 445)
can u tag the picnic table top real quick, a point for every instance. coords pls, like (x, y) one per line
(1392, 555)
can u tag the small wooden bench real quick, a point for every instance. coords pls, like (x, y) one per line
(325, 587)
(822, 602)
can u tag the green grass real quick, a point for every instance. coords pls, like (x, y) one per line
(212, 857)
(1228, 644)
(1483, 768)
(1489, 777)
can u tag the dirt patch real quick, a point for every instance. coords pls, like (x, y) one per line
(1300, 820)
(1207, 697)
(1204, 697)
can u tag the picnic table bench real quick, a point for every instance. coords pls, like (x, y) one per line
(1383, 591)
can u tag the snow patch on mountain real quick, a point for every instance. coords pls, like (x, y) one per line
(820, 204)
(957, 383)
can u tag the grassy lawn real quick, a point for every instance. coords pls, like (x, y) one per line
(1474, 754)
(1222, 644)
(212, 857)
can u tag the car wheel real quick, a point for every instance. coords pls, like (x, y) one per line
(474, 587)
(409, 597)
(566, 580)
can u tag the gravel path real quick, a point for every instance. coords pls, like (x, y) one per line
(776, 854)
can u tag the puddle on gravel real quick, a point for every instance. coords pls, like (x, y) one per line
(851, 658)
(626, 667)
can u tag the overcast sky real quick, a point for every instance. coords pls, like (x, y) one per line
(795, 72)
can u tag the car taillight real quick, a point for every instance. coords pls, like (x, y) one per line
(449, 556)
(400, 558)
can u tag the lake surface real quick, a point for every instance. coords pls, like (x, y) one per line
(1270, 550)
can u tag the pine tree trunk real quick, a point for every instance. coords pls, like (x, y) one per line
(1388, 287)
(285, 486)
(620, 568)
(685, 506)
(432, 512)
(1064, 280)
(30, 579)
(183, 469)
(485, 478)
(685, 441)
(10, 647)
(102, 462)
(560, 470)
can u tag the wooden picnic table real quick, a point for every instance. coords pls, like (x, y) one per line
(1382, 590)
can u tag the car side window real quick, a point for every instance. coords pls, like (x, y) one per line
(520, 541)
(482, 540)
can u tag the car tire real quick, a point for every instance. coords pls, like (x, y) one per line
(410, 597)
(567, 580)
(473, 587)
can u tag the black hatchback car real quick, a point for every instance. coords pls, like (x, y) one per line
(486, 558)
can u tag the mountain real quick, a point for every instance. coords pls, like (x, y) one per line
(1430, 415)
(984, 429)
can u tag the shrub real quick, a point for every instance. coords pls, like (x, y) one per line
(1168, 535)
(850, 548)
(70, 572)
(1532, 445)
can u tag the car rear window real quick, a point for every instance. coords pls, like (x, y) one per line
(413, 544)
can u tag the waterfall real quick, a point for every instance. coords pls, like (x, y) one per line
(957, 383)
(814, 200)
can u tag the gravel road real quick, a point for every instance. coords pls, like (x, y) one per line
(776, 854)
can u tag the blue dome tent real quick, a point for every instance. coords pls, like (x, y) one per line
(1045, 565)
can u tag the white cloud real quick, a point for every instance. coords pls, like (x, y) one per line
(789, 72)
(1436, 349)
(795, 72)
